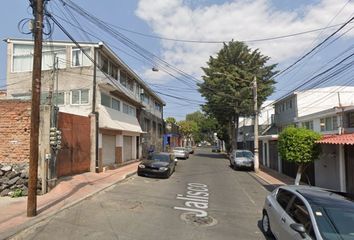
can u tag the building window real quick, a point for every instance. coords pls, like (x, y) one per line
(129, 110)
(145, 98)
(80, 96)
(351, 120)
(113, 71)
(123, 78)
(158, 107)
(115, 104)
(130, 84)
(291, 103)
(79, 58)
(308, 125)
(147, 126)
(328, 124)
(105, 100)
(22, 57)
(104, 64)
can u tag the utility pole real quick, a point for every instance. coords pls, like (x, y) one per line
(35, 108)
(256, 158)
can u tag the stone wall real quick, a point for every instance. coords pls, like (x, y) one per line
(14, 180)
(15, 120)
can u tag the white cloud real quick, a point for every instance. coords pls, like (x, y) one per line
(238, 20)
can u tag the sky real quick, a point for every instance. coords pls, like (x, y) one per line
(146, 28)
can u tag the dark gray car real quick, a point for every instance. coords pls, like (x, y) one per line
(304, 212)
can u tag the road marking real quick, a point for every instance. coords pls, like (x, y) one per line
(196, 199)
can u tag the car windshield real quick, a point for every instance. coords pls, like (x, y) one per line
(335, 223)
(159, 157)
(244, 154)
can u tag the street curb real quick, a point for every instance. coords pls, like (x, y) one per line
(31, 224)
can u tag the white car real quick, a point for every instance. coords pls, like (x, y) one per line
(181, 152)
(304, 212)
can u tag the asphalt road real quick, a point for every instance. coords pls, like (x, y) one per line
(144, 208)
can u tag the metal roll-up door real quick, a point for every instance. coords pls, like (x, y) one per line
(127, 148)
(108, 149)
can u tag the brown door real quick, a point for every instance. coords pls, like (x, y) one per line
(349, 168)
(74, 157)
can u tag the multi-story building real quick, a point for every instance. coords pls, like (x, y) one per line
(91, 80)
(327, 111)
(334, 168)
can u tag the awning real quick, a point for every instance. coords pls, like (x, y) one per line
(345, 139)
(112, 119)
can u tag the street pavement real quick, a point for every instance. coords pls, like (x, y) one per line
(149, 208)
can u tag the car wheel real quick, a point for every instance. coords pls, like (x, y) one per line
(266, 225)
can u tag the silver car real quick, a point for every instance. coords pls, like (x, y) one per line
(181, 152)
(241, 159)
(304, 212)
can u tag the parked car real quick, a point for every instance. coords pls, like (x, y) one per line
(158, 164)
(304, 212)
(190, 149)
(181, 152)
(216, 148)
(241, 159)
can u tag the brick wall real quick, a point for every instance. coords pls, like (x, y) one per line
(15, 117)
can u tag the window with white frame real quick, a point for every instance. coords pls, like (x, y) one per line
(22, 57)
(79, 96)
(79, 58)
(113, 71)
(328, 124)
(110, 102)
(127, 109)
(308, 125)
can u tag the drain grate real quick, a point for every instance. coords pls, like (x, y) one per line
(190, 218)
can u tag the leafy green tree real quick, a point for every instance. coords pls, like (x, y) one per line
(171, 120)
(298, 145)
(188, 128)
(227, 85)
(206, 126)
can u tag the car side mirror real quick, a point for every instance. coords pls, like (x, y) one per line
(297, 227)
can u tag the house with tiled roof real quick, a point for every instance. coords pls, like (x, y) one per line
(335, 167)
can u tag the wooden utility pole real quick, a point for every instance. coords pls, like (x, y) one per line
(256, 158)
(35, 108)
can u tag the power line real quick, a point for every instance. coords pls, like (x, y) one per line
(316, 47)
(220, 41)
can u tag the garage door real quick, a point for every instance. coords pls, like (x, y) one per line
(108, 149)
(127, 148)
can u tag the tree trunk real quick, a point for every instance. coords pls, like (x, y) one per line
(300, 170)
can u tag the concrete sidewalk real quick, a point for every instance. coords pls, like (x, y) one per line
(70, 191)
(273, 177)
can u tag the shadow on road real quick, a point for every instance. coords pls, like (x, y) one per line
(211, 155)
